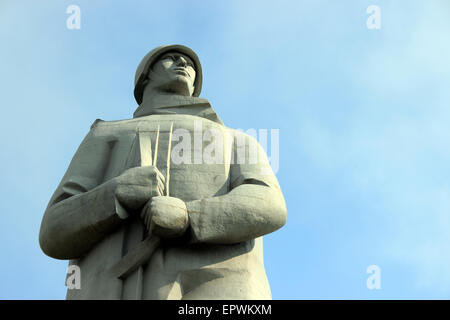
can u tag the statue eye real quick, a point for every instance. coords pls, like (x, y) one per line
(171, 57)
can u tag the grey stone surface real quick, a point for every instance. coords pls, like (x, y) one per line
(140, 223)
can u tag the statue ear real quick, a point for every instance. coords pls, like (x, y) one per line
(146, 79)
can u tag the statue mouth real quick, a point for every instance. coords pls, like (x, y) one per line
(182, 71)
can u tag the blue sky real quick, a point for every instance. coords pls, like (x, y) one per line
(363, 118)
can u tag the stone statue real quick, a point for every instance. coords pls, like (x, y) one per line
(135, 236)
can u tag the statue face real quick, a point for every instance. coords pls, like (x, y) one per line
(174, 72)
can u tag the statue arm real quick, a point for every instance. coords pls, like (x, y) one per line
(254, 207)
(81, 212)
(71, 227)
(247, 212)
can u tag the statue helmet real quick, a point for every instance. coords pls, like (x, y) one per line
(151, 57)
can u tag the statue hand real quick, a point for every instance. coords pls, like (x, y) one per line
(136, 186)
(166, 217)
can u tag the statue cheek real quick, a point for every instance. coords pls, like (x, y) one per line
(165, 75)
(167, 64)
(192, 72)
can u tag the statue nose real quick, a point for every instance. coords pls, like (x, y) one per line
(182, 61)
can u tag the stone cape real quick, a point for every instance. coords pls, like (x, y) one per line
(231, 207)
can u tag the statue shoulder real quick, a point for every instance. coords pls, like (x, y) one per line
(240, 134)
(95, 123)
(102, 128)
(98, 123)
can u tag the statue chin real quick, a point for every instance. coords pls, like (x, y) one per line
(180, 85)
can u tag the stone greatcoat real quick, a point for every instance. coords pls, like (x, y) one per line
(231, 204)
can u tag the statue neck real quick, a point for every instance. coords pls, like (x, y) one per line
(152, 104)
(164, 103)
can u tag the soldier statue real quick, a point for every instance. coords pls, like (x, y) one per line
(170, 204)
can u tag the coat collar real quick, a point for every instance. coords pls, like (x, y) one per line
(176, 104)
